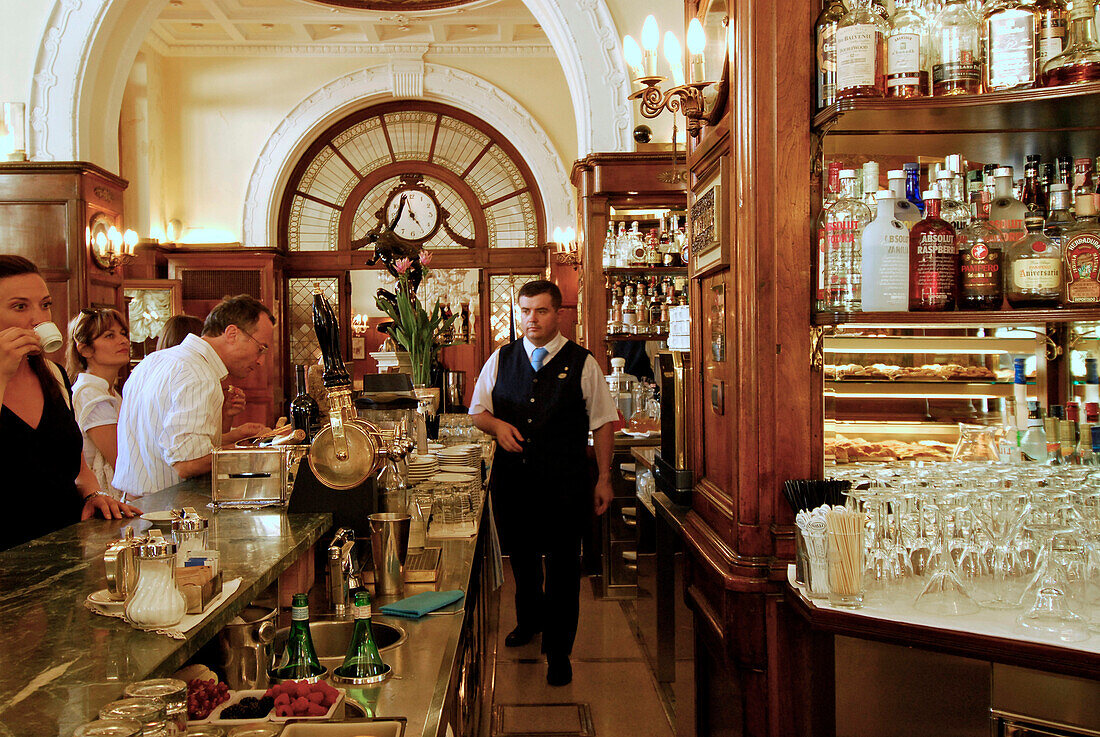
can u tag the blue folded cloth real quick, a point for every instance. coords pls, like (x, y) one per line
(417, 606)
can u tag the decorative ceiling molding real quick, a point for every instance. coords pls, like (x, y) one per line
(403, 6)
(367, 87)
(364, 49)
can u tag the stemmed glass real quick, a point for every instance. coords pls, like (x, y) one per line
(1088, 515)
(945, 593)
(1001, 513)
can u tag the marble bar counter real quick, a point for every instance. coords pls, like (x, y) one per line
(60, 663)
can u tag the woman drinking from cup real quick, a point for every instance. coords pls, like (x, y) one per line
(47, 483)
(99, 347)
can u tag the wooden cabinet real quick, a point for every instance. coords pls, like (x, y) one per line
(46, 209)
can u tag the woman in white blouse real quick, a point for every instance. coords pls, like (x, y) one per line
(99, 347)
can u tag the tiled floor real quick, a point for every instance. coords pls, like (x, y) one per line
(609, 672)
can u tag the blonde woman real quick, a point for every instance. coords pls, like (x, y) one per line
(99, 348)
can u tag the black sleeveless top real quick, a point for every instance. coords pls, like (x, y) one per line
(542, 496)
(40, 466)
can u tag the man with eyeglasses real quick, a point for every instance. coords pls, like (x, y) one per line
(174, 410)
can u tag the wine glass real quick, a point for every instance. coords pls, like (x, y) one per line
(1001, 513)
(945, 593)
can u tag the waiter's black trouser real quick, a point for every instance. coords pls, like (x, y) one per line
(550, 603)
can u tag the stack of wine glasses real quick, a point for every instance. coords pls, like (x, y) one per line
(952, 539)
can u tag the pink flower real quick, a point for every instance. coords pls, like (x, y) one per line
(402, 265)
(425, 257)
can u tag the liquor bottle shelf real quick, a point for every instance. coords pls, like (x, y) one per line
(1063, 108)
(995, 318)
(634, 338)
(646, 271)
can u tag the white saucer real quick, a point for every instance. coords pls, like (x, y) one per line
(103, 601)
(160, 519)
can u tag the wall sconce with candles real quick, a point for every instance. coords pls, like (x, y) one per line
(567, 250)
(110, 247)
(685, 95)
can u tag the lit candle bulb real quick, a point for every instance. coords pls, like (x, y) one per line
(114, 237)
(101, 243)
(696, 42)
(651, 37)
(632, 52)
(558, 235)
(130, 239)
(674, 55)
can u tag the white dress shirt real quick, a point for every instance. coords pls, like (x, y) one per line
(172, 412)
(96, 404)
(597, 397)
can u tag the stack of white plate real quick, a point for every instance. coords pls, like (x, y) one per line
(422, 468)
(467, 470)
(468, 455)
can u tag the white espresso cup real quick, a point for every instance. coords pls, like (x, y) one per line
(49, 335)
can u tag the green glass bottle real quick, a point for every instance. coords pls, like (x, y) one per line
(299, 659)
(362, 659)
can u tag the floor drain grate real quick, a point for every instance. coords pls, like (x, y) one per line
(542, 720)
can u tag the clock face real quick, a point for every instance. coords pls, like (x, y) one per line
(420, 218)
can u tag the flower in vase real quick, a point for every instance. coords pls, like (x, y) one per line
(402, 265)
(425, 257)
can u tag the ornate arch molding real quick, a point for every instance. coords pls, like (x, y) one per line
(368, 86)
(581, 32)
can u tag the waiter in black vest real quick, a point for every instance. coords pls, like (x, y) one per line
(539, 397)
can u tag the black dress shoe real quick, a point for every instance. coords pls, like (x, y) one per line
(559, 672)
(519, 637)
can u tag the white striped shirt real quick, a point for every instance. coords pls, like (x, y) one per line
(171, 412)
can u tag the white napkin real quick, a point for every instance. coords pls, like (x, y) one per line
(190, 621)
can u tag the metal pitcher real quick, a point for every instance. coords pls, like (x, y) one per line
(246, 647)
(122, 570)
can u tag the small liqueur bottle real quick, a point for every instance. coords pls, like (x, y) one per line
(861, 52)
(1008, 45)
(843, 225)
(1050, 31)
(952, 208)
(1081, 253)
(912, 185)
(1033, 268)
(1007, 213)
(933, 260)
(907, 52)
(885, 258)
(1080, 61)
(904, 210)
(1035, 196)
(609, 247)
(981, 252)
(825, 38)
(956, 60)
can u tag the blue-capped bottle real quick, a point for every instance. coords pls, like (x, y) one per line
(1019, 392)
(912, 185)
(1092, 381)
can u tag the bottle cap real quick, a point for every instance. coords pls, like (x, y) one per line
(1034, 221)
(1056, 412)
(1003, 171)
(931, 195)
(955, 163)
(948, 175)
(895, 174)
(884, 194)
(1034, 157)
(912, 166)
(1085, 205)
(1059, 188)
(1092, 409)
(847, 173)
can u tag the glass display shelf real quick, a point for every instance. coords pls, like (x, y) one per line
(646, 271)
(634, 338)
(992, 318)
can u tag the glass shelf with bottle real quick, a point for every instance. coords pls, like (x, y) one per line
(644, 240)
(639, 304)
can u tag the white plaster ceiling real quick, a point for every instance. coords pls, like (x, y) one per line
(300, 26)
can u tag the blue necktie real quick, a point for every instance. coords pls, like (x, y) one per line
(537, 356)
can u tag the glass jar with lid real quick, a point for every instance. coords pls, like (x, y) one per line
(109, 728)
(151, 713)
(171, 691)
(157, 601)
(190, 532)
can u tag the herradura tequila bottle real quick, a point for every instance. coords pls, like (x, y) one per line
(1081, 251)
(933, 260)
(825, 41)
(861, 52)
(1080, 61)
(907, 52)
(981, 254)
(1008, 45)
(956, 61)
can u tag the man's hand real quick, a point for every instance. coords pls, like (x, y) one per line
(233, 404)
(508, 436)
(603, 494)
(240, 432)
(107, 508)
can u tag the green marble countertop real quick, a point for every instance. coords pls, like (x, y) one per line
(59, 662)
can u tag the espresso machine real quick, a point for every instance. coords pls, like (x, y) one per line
(671, 471)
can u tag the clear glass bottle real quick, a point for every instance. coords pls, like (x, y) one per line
(952, 208)
(1081, 254)
(885, 260)
(861, 52)
(622, 247)
(1082, 177)
(1061, 216)
(1034, 196)
(1033, 444)
(912, 185)
(608, 260)
(956, 60)
(870, 183)
(933, 260)
(981, 255)
(1033, 268)
(1007, 213)
(843, 225)
(825, 41)
(907, 52)
(1050, 31)
(1008, 45)
(904, 210)
(1080, 61)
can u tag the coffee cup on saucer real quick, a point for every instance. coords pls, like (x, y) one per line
(49, 335)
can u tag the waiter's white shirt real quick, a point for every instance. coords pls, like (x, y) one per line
(171, 412)
(597, 397)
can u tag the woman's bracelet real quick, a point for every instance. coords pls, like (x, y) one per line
(94, 493)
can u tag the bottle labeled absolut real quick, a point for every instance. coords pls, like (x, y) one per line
(842, 225)
(885, 254)
(981, 249)
(1007, 213)
(1081, 250)
(933, 260)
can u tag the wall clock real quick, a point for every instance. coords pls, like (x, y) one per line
(420, 218)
